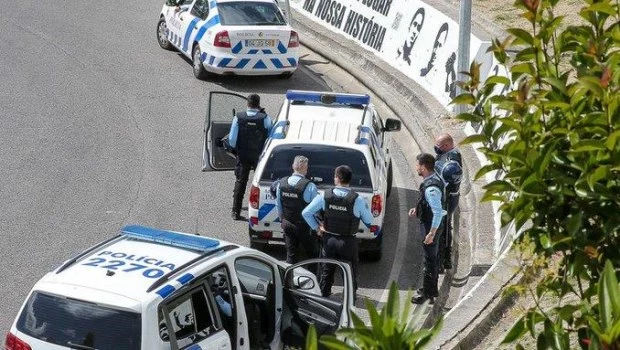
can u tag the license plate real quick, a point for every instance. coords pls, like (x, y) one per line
(260, 43)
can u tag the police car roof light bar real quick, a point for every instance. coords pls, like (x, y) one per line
(327, 97)
(171, 238)
(165, 278)
(85, 253)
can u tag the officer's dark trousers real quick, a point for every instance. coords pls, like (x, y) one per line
(431, 275)
(296, 236)
(445, 244)
(242, 173)
(343, 248)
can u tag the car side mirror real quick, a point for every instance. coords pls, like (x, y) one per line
(392, 125)
(303, 282)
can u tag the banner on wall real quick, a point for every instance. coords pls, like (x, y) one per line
(410, 35)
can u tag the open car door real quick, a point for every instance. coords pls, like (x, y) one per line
(306, 305)
(221, 109)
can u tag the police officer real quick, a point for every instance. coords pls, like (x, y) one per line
(429, 211)
(342, 209)
(248, 133)
(449, 166)
(293, 193)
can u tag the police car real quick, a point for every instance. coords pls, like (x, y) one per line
(153, 289)
(250, 37)
(330, 129)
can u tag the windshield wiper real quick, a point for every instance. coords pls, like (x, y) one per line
(79, 346)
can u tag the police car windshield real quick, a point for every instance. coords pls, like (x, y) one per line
(323, 160)
(65, 321)
(243, 13)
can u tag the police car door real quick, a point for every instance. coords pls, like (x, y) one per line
(176, 21)
(192, 322)
(221, 109)
(306, 305)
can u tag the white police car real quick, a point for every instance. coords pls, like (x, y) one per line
(249, 37)
(331, 129)
(152, 289)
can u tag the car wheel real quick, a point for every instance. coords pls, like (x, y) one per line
(374, 255)
(286, 75)
(162, 35)
(199, 69)
(256, 245)
(390, 176)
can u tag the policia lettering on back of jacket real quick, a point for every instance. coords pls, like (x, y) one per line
(248, 133)
(342, 210)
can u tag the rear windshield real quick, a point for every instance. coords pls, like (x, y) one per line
(67, 322)
(243, 13)
(322, 161)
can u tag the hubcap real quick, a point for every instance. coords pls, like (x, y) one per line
(197, 62)
(163, 29)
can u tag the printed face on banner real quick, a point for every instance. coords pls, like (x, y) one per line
(415, 27)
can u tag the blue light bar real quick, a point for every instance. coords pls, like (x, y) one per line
(175, 239)
(324, 97)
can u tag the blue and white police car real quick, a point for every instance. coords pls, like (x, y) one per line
(330, 129)
(249, 37)
(153, 289)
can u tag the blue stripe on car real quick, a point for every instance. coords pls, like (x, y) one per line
(237, 48)
(276, 62)
(194, 347)
(224, 62)
(260, 65)
(281, 47)
(165, 291)
(211, 59)
(188, 33)
(267, 52)
(253, 52)
(185, 278)
(242, 63)
(208, 24)
(292, 61)
(264, 210)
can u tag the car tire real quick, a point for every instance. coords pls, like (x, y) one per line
(199, 70)
(256, 245)
(286, 75)
(162, 35)
(374, 255)
(390, 177)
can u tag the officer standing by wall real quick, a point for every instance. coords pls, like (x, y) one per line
(293, 193)
(342, 210)
(248, 133)
(429, 211)
(449, 166)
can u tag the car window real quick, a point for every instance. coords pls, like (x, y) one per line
(200, 9)
(323, 160)
(191, 318)
(64, 321)
(238, 13)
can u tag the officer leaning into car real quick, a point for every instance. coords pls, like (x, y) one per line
(248, 133)
(342, 209)
(449, 166)
(430, 212)
(293, 193)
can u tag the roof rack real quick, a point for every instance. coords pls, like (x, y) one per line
(84, 253)
(165, 278)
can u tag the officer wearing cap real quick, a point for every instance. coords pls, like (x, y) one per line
(449, 166)
(293, 193)
(430, 211)
(248, 133)
(342, 210)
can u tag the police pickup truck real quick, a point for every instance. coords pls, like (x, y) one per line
(330, 129)
(151, 289)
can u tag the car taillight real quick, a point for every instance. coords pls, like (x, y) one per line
(293, 41)
(377, 205)
(266, 234)
(222, 39)
(253, 221)
(254, 195)
(14, 343)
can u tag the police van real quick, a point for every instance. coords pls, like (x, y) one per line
(330, 129)
(154, 289)
(230, 37)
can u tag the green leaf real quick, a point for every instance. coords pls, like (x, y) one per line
(612, 141)
(598, 174)
(311, 339)
(498, 79)
(556, 83)
(602, 7)
(611, 284)
(464, 99)
(522, 36)
(588, 146)
(525, 67)
(516, 332)
(475, 138)
(499, 186)
(574, 222)
(334, 343)
(545, 242)
(592, 84)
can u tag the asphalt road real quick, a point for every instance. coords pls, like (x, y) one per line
(102, 128)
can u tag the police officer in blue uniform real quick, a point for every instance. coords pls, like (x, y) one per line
(449, 166)
(248, 133)
(293, 193)
(342, 210)
(430, 212)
